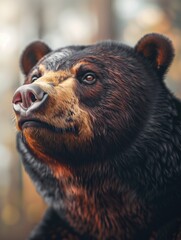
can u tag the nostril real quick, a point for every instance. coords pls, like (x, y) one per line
(32, 97)
(17, 98)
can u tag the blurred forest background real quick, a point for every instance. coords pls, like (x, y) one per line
(59, 23)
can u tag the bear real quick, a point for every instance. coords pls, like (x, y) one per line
(99, 134)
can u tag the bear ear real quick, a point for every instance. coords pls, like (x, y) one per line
(158, 50)
(32, 54)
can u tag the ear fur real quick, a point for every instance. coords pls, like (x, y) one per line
(32, 54)
(158, 50)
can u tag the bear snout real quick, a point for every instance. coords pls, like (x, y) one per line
(28, 98)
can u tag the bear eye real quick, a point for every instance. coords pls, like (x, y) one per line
(34, 77)
(89, 78)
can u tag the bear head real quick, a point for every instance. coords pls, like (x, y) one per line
(80, 104)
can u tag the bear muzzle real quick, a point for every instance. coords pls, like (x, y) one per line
(28, 98)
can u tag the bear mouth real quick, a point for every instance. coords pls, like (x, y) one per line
(35, 123)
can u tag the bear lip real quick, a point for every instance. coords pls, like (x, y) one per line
(36, 123)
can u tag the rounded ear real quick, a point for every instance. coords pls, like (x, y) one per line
(32, 54)
(158, 50)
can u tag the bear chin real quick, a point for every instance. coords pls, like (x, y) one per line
(47, 138)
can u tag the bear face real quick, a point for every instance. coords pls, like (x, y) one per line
(99, 136)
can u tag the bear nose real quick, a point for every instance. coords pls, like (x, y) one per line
(28, 98)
